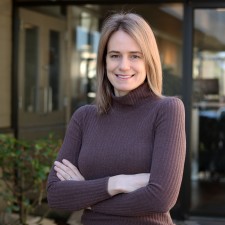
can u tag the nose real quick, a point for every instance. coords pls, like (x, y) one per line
(124, 64)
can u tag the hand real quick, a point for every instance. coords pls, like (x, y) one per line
(67, 171)
(127, 183)
(131, 183)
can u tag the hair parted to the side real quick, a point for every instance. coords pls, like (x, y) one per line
(138, 28)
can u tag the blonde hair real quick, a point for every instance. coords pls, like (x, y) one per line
(141, 32)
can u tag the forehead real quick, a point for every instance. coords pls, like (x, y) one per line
(122, 41)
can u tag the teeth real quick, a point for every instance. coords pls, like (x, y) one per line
(123, 76)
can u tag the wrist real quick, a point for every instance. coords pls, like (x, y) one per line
(114, 185)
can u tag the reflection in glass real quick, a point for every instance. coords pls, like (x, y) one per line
(84, 56)
(87, 21)
(54, 70)
(208, 114)
(31, 68)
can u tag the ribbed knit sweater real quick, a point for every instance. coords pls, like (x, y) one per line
(142, 133)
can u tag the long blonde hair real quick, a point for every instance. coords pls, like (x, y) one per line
(141, 32)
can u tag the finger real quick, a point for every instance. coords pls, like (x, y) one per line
(65, 176)
(65, 169)
(60, 177)
(73, 168)
(61, 173)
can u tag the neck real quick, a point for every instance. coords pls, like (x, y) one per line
(133, 99)
(120, 93)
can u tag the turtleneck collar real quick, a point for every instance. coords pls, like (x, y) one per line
(134, 98)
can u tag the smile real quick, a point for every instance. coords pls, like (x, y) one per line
(124, 77)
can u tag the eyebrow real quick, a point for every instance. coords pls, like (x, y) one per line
(136, 52)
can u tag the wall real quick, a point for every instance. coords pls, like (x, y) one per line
(5, 62)
(5, 68)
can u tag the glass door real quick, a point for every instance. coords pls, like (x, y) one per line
(41, 75)
(208, 113)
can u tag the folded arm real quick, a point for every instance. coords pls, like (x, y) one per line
(161, 193)
(74, 195)
(67, 188)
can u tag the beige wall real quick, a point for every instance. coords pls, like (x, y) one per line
(5, 68)
(5, 62)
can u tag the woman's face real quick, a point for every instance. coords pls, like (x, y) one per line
(125, 64)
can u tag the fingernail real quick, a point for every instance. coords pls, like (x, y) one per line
(64, 160)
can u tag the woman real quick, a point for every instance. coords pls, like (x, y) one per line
(106, 159)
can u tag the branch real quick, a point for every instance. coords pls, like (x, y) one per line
(41, 194)
(11, 189)
(44, 215)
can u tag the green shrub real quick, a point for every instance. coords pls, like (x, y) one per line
(25, 167)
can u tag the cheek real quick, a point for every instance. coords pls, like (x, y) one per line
(111, 66)
(141, 69)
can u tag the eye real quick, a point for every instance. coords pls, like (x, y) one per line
(115, 56)
(135, 56)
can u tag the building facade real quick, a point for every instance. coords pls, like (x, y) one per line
(47, 70)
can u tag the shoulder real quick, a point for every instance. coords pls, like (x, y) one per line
(84, 112)
(171, 106)
(80, 118)
(170, 103)
(170, 114)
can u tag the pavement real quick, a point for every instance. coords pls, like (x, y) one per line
(199, 222)
(13, 219)
(75, 220)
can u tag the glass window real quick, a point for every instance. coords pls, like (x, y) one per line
(31, 68)
(54, 69)
(208, 113)
(42, 71)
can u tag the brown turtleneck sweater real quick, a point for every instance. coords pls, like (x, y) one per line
(141, 134)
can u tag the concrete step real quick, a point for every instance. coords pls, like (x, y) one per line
(12, 218)
(199, 222)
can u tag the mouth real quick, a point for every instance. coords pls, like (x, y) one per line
(124, 77)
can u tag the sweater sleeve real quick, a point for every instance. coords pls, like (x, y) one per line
(74, 195)
(169, 150)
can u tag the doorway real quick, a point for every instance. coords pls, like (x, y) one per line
(41, 84)
(208, 111)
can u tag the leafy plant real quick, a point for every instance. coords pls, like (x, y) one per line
(25, 166)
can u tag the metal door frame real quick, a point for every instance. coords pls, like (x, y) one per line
(189, 7)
